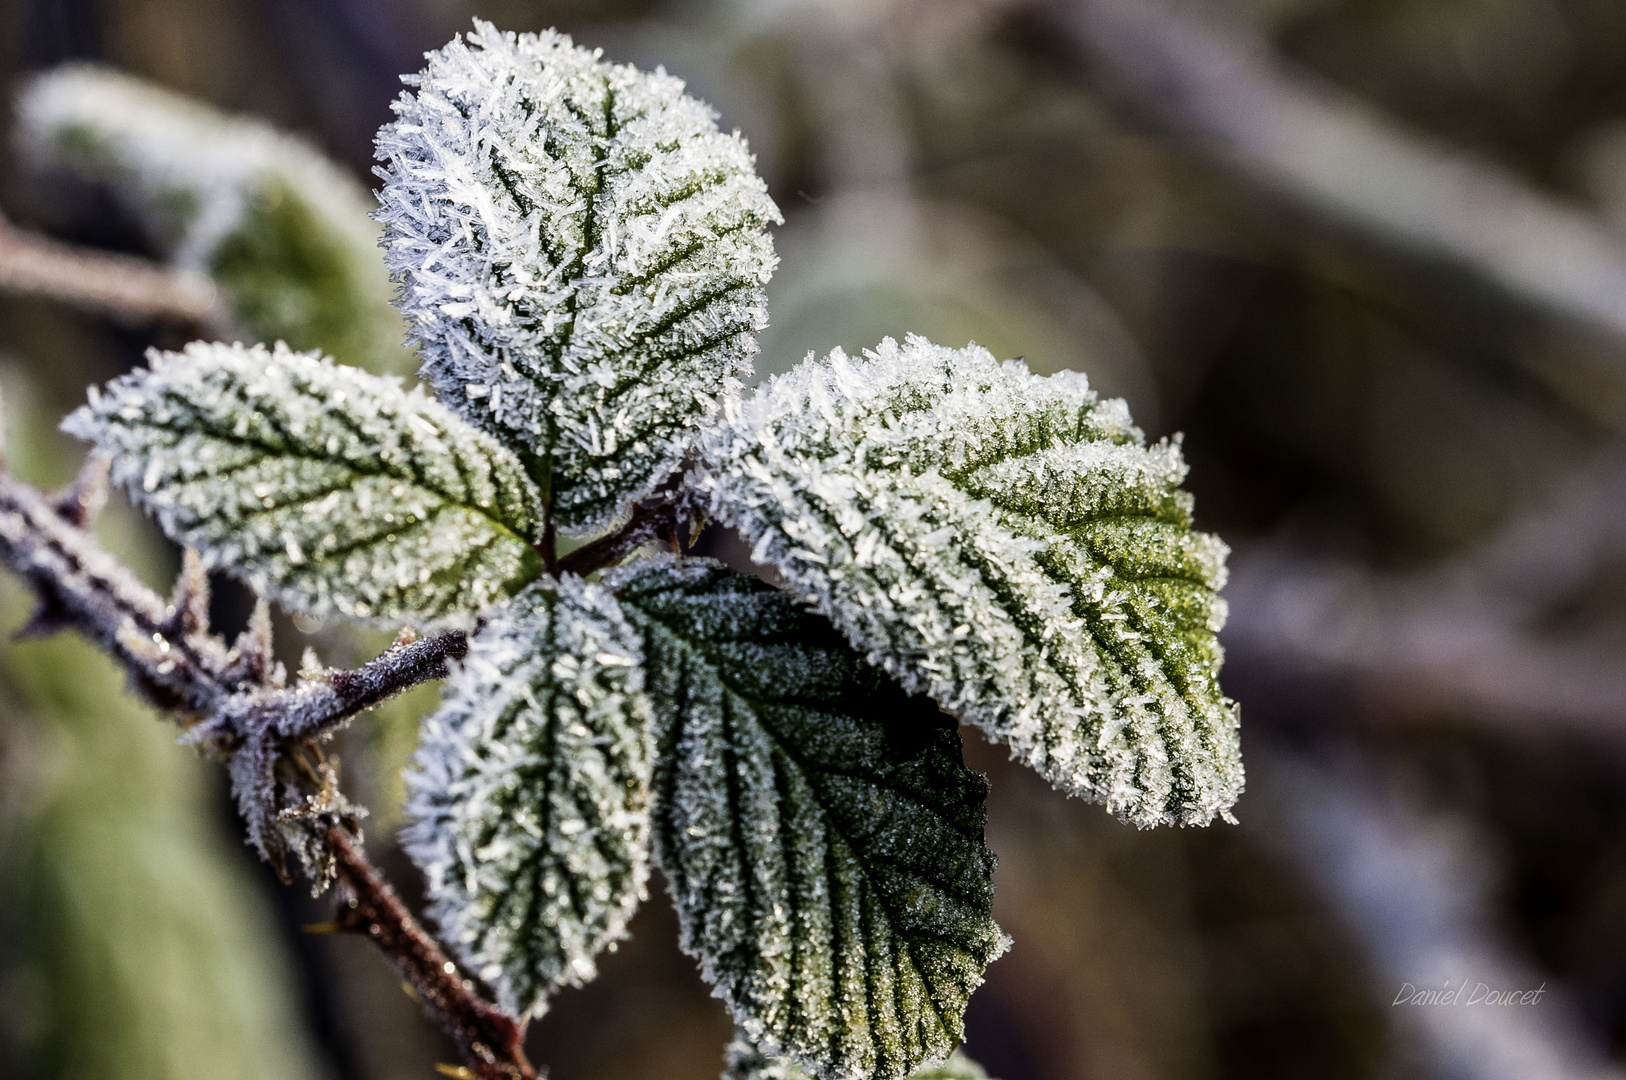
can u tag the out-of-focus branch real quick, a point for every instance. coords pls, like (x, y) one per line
(1337, 156)
(1552, 552)
(1412, 888)
(1418, 642)
(1463, 634)
(119, 285)
(232, 700)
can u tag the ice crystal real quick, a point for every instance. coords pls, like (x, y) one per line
(321, 485)
(581, 253)
(529, 803)
(1007, 544)
(282, 230)
(744, 1061)
(822, 839)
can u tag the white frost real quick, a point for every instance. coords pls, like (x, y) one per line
(1007, 544)
(581, 254)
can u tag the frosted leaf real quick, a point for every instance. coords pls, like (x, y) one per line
(744, 1061)
(282, 230)
(581, 254)
(529, 800)
(322, 486)
(1007, 544)
(821, 837)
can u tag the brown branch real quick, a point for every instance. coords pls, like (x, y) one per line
(128, 288)
(649, 522)
(231, 700)
(490, 1040)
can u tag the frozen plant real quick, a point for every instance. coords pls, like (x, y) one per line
(581, 255)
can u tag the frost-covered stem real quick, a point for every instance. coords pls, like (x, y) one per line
(172, 657)
(80, 585)
(647, 523)
(122, 286)
(491, 1042)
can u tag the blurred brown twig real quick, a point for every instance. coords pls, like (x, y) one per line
(119, 285)
(1339, 157)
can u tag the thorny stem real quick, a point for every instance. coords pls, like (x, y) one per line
(227, 697)
(490, 1040)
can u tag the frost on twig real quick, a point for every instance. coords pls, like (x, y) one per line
(281, 230)
(821, 836)
(529, 800)
(582, 255)
(322, 486)
(1007, 544)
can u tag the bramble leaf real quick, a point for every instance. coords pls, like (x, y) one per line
(744, 1061)
(1007, 544)
(821, 836)
(529, 803)
(282, 230)
(320, 485)
(581, 254)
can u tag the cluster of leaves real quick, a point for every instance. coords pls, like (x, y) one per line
(581, 255)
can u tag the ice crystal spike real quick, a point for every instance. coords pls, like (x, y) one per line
(1007, 544)
(581, 254)
(322, 486)
(281, 229)
(744, 1061)
(822, 839)
(529, 803)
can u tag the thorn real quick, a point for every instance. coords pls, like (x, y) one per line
(80, 502)
(310, 667)
(321, 928)
(406, 988)
(251, 653)
(406, 637)
(46, 619)
(189, 603)
(458, 1072)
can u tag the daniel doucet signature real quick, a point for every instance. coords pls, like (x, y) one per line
(1461, 994)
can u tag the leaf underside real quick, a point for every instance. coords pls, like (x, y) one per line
(582, 255)
(1009, 545)
(529, 800)
(822, 839)
(323, 486)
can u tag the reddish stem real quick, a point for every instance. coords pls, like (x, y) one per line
(491, 1041)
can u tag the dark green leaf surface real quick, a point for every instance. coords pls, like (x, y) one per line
(821, 835)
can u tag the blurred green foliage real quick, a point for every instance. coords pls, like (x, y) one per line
(147, 953)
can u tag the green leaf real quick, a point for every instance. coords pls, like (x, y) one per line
(821, 836)
(1009, 545)
(582, 255)
(529, 803)
(745, 1061)
(283, 231)
(321, 485)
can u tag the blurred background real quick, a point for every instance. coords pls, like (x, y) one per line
(1369, 256)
